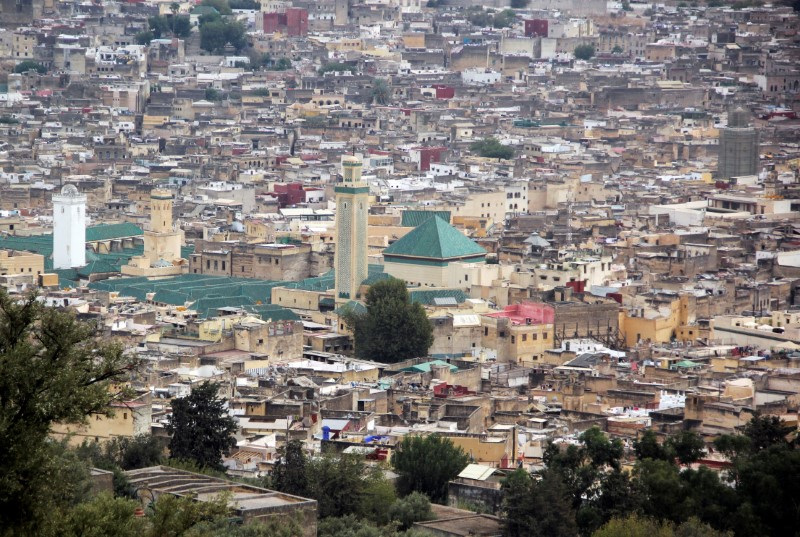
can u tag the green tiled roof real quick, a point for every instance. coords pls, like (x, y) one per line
(435, 239)
(104, 232)
(427, 296)
(414, 217)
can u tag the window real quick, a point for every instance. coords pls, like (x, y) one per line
(513, 340)
(544, 336)
(524, 337)
(485, 330)
(124, 415)
(535, 336)
(208, 263)
(223, 265)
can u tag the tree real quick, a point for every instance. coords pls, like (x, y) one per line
(104, 515)
(379, 493)
(416, 507)
(687, 446)
(617, 50)
(504, 19)
(337, 483)
(159, 26)
(212, 35)
(648, 447)
(236, 35)
(492, 148)
(141, 451)
(584, 52)
(520, 4)
(543, 507)
(637, 526)
(213, 95)
(766, 431)
(29, 65)
(201, 429)
(53, 369)
(244, 4)
(393, 328)
(426, 464)
(181, 26)
(144, 38)
(381, 93)
(290, 472)
(282, 64)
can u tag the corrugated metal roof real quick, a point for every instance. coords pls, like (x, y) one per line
(478, 472)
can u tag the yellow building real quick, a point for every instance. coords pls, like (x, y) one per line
(14, 262)
(128, 419)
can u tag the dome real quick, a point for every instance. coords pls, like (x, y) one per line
(70, 191)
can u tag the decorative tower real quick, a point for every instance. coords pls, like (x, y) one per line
(352, 207)
(162, 241)
(69, 228)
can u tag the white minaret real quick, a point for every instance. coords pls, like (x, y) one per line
(69, 228)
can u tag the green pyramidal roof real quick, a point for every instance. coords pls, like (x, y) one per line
(435, 239)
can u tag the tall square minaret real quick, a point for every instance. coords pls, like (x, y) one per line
(352, 208)
(69, 228)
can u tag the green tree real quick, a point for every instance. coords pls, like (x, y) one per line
(416, 507)
(492, 148)
(244, 4)
(141, 451)
(335, 67)
(201, 429)
(584, 52)
(236, 35)
(290, 474)
(537, 507)
(477, 16)
(381, 93)
(379, 494)
(637, 526)
(504, 19)
(687, 446)
(29, 65)
(765, 431)
(213, 95)
(617, 50)
(144, 38)
(520, 4)
(393, 328)
(648, 447)
(181, 26)
(337, 483)
(283, 64)
(426, 464)
(212, 36)
(53, 369)
(159, 26)
(102, 516)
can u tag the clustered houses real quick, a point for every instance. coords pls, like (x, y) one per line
(597, 206)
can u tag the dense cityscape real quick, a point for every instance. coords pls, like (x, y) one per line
(399, 268)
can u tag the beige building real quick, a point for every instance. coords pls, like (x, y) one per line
(13, 263)
(128, 419)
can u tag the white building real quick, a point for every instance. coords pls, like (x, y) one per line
(69, 228)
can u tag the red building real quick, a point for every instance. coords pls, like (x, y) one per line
(444, 92)
(294, 22)
(289, 194)
(536, 27)
(428, 155)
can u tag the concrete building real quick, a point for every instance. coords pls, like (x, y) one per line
(738, 147)
(69, 228)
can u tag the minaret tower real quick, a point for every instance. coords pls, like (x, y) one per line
(352, 208)
(162, 241)
(69, 228)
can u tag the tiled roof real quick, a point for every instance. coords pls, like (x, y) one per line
(104, 232)
(413, 217)
(435, 239)
(428, 296)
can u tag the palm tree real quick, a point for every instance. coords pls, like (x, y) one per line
(381, 93)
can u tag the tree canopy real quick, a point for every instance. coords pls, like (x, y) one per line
(393, 328)
(492, 148)
(426, 464)
(30, 65)
(201, 429)
(53, 369)
(584, 52)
